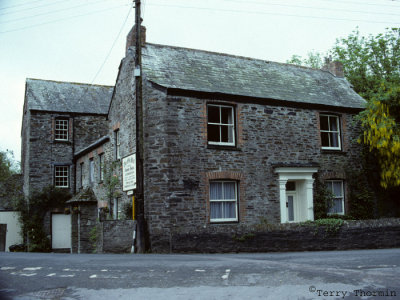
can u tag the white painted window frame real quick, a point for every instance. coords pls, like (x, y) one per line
(61, 175)
(61, 129)
(337, 197)
(117, 144)
(230, 126)
(339, 147)
(221, 220)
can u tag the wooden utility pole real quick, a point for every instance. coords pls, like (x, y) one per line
(139, 196)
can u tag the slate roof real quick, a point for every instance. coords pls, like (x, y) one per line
(202, 71)
(59, 96)
(92, 146)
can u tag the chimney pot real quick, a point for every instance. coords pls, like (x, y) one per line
(334, 67)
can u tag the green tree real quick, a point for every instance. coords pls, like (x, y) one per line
(372, 65)
(8, 165)
(313, 60)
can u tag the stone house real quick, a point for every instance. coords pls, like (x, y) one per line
(229, 141)
(59, 119)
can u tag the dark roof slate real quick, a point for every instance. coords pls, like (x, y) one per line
(45, 95)
(202, 71)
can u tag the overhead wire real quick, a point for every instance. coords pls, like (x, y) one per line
(316, 8)
(112, 46)
(22, 4)
(34, 7)
(62, 19)
(52, 12)
(270, 13)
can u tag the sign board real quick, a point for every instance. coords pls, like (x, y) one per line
(129, 172)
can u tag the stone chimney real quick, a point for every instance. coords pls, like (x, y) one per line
(131, 37)
(334, 67)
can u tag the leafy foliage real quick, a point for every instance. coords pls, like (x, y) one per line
(111, 182)
(8, 165)
(33, 211)
(313, 60)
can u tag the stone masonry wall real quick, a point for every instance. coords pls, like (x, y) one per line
(83, 220)
(369, 234)
(115, 236)
(45, 152)
(179, 164)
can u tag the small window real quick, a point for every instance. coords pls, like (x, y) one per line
(220, 125)
(61, 176)
(330, 132)
(61, 129)
(91, 171)
(117, 144)
(223, 201)
(337, 204)
(101, 167)
(81, 175)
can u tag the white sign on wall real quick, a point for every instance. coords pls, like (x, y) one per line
(129, 172)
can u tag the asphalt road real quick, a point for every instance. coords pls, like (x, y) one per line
(366, 274)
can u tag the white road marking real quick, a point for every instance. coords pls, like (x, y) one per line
(7, 268)
(104, 270)
(27, 274)
(70, 275)
(32, 268)
(51, 274)
(93, 276)
(198, 270)
(226, 275)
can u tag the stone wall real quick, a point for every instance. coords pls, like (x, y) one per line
(115, 236)
(179, 163)
(82, 223)
(45, 152)
(370, 234)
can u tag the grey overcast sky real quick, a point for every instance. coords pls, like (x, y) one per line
(84, 40)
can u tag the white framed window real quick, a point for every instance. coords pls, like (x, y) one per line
(223, 201)
(330, 132)
(220, 125)
(337, 204)
(61, 129)
(117, 142)
(101, 167)
(61, 176)
(91, 170)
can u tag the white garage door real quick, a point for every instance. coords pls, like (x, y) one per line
(13, 235)
(60, 231)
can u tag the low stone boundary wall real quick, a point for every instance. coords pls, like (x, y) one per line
(368, 234)
(115, 236)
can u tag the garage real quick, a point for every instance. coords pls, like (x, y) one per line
(61, 232)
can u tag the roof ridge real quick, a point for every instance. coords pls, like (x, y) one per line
(235, 56)
(70, 82)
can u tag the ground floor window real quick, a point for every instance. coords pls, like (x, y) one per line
(223, 201)
(337, 204)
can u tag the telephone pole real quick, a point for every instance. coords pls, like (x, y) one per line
(139, 197)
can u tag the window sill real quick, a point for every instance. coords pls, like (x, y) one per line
(223, 222)
(222, 147)
(330, 151)
(62, 142)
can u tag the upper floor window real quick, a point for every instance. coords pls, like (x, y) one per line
(81, 175)
(117, 144)
(61, 176)
(330, 132)
(91, 171)
(336, 188)
(223, 201)
(220, 125)
(101, 167)
(61, 129)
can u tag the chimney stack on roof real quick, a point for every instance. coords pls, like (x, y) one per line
(131, 37)
(334, 67)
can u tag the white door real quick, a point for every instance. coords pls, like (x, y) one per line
(60, 231)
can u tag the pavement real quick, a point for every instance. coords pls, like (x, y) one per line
(356, 274)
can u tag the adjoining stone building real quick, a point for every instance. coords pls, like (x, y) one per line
(59, 119)
(229, 141)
